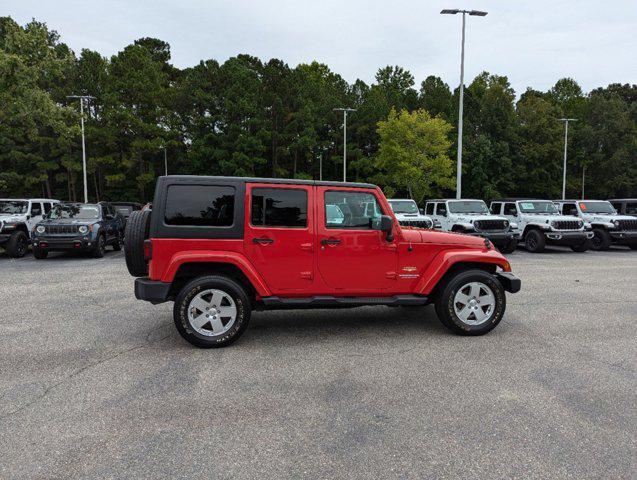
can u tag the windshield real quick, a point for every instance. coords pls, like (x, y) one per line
(403, 206)
(13, 207)
(596, 207)
(78, 212)
(544, 207)
(468, 206)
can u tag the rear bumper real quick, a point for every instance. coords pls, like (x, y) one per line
(64, 243)
(567, 238)
(510, 282)
(151, 290)
(624, 238)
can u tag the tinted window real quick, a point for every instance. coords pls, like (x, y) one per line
(495, 207)
(631, 208)
(200, 205)
(357, 210)
(510, 209)
(569, 209)
(36, 209)
(429, 209)
(278, 207)
(441, 209)
(47, 207)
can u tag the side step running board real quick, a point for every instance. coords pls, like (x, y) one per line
(275, 302)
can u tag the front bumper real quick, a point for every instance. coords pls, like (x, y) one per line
(567, 238)
(50, 243)
(152, 291)
(497, 238)
(4, 238)
(510, 282)
(624, 238)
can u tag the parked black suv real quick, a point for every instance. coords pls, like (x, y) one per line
(126, 208)
(625, 206)
(86, 227)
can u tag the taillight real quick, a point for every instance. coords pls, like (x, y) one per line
(148, 250)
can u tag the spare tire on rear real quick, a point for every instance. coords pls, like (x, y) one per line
(137, 230)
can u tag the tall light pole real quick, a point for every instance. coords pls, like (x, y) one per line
(565, 120)
(165, 160)
(477, 13)
(82, 98)
(345, 112)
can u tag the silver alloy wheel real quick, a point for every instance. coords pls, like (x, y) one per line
(212, 312)
(474, 303)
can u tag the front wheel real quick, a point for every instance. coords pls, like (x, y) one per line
(600, 240)
(212, 311)
(535, 241)
(510, 246)
(18, 244)
(100, 247)
(471, 303)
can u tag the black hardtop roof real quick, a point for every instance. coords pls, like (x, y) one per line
(285, 181)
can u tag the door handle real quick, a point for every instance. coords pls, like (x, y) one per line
(263, 241)
(330, 241)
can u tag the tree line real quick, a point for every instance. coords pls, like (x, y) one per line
(248, 117)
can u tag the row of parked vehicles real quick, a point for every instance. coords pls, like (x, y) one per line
(50, 225)
(536, 223)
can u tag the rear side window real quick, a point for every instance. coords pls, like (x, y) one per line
(278, 207)
(200, 205)
(569, 209)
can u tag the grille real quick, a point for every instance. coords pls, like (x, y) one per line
(416, 223)
(61, 229)
(489, 225)
(627, 224)
(567, 224)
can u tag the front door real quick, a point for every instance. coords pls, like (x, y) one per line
(351, 256)
(279, 235)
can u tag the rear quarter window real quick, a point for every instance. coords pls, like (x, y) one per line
(200, 205)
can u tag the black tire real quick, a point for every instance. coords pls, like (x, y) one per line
(117, 243)
(445, 302)
(137, 230)
(535, 241)
(582, 247)
(40, 254)
(510, 246)
(600, 240)
(18, 244)
(100, 247)
(196, 286)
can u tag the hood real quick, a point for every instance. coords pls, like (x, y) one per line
(68, 221)
(444, 238)
(412, 216)
(472, 217)
(596, 217)
(12, 217)
(550, 218)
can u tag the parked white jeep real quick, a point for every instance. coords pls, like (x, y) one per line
(408, 214)
(472, 217)
(538, 223)
(18, 217)
(608, 226)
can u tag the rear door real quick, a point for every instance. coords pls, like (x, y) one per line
(351, 256)
(279, 235)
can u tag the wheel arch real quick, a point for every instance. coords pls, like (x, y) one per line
(530, 227)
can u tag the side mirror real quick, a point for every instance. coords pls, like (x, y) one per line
(443, 213)
(514, 212)
(422, 211)
(384, 223)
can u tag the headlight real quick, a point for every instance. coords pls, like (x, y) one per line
(580, 224)
(506, 223)
(40, 229)
(83, 229)
(616, 223)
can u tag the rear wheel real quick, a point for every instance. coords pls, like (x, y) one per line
(600, 240)
(137, 231)
(212, 311)
(471, 303)
(18, 244)
(535, 241)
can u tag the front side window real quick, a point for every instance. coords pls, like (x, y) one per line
(596, 207)
(429, 209)
(278, 207)
(47, 208)
(77, 211)
(403, 206)
(631, 208)
(495, 208)
(510, 209)
(200, 205)
(358, 210)
(36, 209)
(441, 209)
(543, 207)
(468, 206)
(13, 207)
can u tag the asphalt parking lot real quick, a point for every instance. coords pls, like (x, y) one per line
(94, 384)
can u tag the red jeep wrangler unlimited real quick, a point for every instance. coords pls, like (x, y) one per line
(220, 247)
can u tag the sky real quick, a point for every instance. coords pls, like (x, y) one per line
(534, 43)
